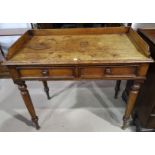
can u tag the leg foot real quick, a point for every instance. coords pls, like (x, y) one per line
(46, 88)
(35, 121)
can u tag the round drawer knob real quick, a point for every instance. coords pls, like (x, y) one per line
(45, 72)
(108, 70)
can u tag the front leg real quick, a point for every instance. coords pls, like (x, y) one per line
(28, 102)
(131, 102)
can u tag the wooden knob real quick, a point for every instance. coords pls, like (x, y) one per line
(45, 72)
(108, 70)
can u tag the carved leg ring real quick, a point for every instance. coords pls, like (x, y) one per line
(117, 88)
(27, 100)
(46, 89)
(131, 102)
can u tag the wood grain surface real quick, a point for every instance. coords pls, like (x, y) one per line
(73, 49)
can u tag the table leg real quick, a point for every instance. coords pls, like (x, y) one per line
(131, 102)
(27, 100)
(46, 88)
(117, 88)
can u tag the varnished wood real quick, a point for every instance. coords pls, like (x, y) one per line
(80, 31)
(141, 45)
(74, 72)
(79, 54)
(108, 71)
(95, 46)
(46, 72)
(131, 102)
(27, 100)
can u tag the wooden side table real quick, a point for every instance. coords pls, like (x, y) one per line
(79, 54)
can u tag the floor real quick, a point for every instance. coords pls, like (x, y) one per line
(76, 106)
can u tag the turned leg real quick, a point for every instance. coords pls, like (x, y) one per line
(27, 100)
(131, 102)
(46, 88)
(117, 88)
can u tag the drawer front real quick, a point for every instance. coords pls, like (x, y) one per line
(54, 72)
(30, 72)
(91, 72)
(107, 71)
(121, 71)
(84, 72)
(62, 72)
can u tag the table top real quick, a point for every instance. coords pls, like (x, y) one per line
(149, 33)
(80, 46)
